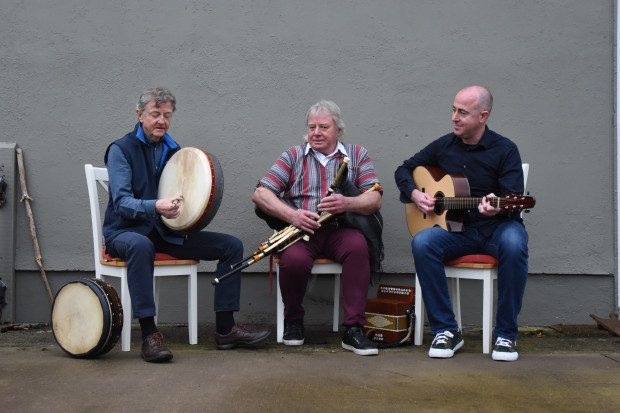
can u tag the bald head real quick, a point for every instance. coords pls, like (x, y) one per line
(470, 112)
(481, 96)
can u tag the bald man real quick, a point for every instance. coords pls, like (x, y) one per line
(492, 165)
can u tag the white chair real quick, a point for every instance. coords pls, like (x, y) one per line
(165, 265)
(473, 267)
(321, 266)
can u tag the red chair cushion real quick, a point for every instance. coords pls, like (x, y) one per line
(472, 259)
(159, 256)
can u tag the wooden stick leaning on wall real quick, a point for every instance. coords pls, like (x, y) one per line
(33, 231)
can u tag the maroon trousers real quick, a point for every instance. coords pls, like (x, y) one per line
(344, 245)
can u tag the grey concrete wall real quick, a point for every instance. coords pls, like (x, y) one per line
(245, 72)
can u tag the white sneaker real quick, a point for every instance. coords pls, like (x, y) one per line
(505, 350)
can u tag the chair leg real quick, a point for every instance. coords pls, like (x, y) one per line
(455, 297)
(192, 306)
(279, 308)
(336, 302)
(126, 303)
(418, 333)
(156, 296)
(487, 311)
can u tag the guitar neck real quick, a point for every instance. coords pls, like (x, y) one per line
(464, 202)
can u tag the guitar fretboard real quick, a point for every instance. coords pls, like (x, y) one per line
(460, 202)
(466, 202)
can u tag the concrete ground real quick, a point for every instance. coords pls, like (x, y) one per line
(572, 370)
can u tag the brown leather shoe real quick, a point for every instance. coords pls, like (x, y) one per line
(240, 334)
(153, 349)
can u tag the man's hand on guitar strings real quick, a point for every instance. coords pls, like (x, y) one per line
(423, 201)
(485, 207)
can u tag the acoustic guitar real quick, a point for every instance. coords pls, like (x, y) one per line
(452, 196)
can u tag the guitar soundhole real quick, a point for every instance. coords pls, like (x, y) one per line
(439, 204)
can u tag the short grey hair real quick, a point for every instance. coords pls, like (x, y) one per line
(159, 95)
(331, 108)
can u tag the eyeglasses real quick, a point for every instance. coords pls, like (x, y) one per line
(156, 115)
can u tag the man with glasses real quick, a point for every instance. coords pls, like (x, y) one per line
(492, 165)
(134, 231)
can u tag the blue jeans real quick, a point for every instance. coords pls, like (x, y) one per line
(139, 252)
(432, 246)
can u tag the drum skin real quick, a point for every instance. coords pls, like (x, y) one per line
(197, 177)
(87, 318)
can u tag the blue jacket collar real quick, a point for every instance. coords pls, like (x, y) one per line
(166, 139)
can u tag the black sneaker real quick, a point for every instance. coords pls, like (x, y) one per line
(446, 343)
(293, 332)
(356, 341)
(505, 350)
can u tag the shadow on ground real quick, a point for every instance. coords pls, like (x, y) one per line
(553, 339)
